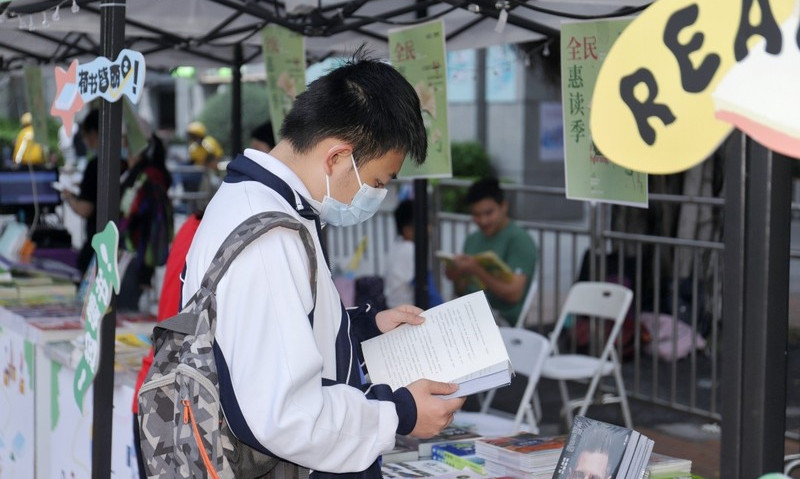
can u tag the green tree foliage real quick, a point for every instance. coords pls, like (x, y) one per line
(216, 114)
(470, 162)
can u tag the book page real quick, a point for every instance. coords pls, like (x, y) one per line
(458, 339)
(495, 266)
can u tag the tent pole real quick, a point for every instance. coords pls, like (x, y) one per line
(112, 34)
(755, 307)
(236, 99)
(421, 240)
(481, 130)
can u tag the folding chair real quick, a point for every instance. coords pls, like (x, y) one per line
(528, 301)
(527, 351)
(605, 302)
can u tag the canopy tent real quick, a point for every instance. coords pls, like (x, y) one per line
(201, 33)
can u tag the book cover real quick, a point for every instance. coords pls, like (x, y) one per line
(524, 450)
(459, 448)
(424, 468)
(488, 260)
(460, 455)
(593, 448)
(459, 342)
(473, 462)
(450, 434)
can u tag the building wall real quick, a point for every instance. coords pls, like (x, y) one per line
(513, 141)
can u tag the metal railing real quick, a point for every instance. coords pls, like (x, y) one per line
(676, 280)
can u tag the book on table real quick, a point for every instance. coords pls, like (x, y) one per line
(488, 260)
(496, 469)
(523, 451)
(459, 342)
(450, 434)
(401, 453)
(662, 465)
(425, 468)
(605, 450)
(459, 454)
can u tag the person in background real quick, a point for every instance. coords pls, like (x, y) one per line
(293, 385)
(85, 202)
(145, 224)
(262, 138)
(26, 150)
(67, 147)
(205, 151)
(400, 267)
(169, 303)
(497, 233)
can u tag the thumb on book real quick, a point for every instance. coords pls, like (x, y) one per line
(437, 387)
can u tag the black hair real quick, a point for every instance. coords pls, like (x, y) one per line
(403, 215)
(263, 132)
(483, 189)
(364, 102)
(91, 123)
(154, 155)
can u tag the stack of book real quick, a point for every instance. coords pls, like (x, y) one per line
(460, 455)
(425, 468)
(662, 466)
(452, 433)
(401, 453)
(596, 448)
(35, 286)
(522, 455)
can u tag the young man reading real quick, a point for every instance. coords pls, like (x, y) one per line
(291, 380)
(499, 234)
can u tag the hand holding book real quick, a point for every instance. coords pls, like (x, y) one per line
(458, 342)
(464, 268)
(436, 405)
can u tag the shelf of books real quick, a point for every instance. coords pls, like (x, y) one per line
(43, 431)
(591, 449)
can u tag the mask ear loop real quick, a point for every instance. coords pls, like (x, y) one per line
(355, 167)
(328, 185)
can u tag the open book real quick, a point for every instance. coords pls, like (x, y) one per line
(488, 260)
(459, 342)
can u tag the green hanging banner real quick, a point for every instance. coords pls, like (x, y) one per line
(95, 306)
(419, 55)
(285, 62)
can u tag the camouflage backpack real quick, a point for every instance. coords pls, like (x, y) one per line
(184, 433)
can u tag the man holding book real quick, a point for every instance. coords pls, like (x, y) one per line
(497, 234)
(291, 380)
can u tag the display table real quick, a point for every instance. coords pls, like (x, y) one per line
(43, 432)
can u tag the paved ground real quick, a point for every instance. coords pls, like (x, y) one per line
(675, 433)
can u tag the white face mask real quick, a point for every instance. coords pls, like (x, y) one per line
(365, 203)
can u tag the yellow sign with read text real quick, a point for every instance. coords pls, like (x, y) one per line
(686, 71)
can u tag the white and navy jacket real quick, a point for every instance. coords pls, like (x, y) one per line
(290, 374)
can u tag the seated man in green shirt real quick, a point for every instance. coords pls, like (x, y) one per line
(499, 234)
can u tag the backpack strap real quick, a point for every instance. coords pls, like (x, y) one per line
(247, 232)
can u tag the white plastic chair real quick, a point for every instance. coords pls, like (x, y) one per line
(607, 302)
(527, 351)
(528, 301)
(792, 462)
